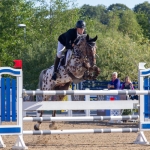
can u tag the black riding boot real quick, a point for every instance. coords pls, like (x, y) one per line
(55, 68)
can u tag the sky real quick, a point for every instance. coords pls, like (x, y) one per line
(128, 3)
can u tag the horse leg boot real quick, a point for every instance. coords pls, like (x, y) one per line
(37, 126)
(54, 76)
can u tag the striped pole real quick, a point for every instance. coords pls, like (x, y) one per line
(88, 92)
(81, 131)
(90, 118)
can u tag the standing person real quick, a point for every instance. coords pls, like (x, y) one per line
(114, 84)
(66, 40)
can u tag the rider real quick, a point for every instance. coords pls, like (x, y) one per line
(66, 40)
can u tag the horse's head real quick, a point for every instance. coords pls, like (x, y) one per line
(91, 50)
(86, 48)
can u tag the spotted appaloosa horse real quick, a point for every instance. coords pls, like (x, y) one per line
(80, 65)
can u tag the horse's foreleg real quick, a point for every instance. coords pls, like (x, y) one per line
(96, 72)
(37, 126)
(54, 113)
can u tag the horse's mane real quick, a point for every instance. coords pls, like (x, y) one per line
(89, 40)
(79, 38)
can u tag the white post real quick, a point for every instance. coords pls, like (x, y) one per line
(140, 87)
(141, 139)
(24, 112)
(37, 99)
(69, 99)
(87, 98)
(20, 143)
(2, 145)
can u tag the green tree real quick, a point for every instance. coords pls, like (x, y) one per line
(143, 17)
(129, 25)
(117, 7)
(98, 12)
(143, 21)
(120, 53)
(143, 7)
(12, 13)
(114, 20)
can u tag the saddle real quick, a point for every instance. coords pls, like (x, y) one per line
(65, 57)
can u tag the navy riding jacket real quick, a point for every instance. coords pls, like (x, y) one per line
(68, 38)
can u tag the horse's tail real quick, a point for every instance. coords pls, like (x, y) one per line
(41, 79)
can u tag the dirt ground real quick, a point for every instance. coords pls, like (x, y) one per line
(100, 141)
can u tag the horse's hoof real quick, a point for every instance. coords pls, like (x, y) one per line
(52, 126)
(36, 127)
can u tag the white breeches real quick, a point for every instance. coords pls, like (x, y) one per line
(60, 49)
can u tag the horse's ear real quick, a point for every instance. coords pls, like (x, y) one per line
(87, 37)
(94, 39)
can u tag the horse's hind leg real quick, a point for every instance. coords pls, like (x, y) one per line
(52, 124)
(58, 98)
(37, 126)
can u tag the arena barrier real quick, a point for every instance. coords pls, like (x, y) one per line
(15, 103)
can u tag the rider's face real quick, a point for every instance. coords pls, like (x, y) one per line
(80, 30)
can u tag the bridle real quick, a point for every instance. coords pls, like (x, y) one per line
(84, 54)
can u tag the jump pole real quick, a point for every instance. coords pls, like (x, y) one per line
(81, 131)
(91, 118)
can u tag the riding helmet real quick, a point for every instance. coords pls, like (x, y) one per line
(80, 24)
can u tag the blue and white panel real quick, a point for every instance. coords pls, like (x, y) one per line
(10, 71)
(145, 72)
(10, 130)
(8, 99)
(147, 99)
(145, 126)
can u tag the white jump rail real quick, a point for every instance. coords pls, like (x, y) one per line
(80, 105)
(81, 131)
(88, 92)
(91, 118)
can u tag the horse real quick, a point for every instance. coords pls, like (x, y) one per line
(80, 65)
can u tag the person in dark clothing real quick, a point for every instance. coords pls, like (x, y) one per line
(66, 40)
(127, 84)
